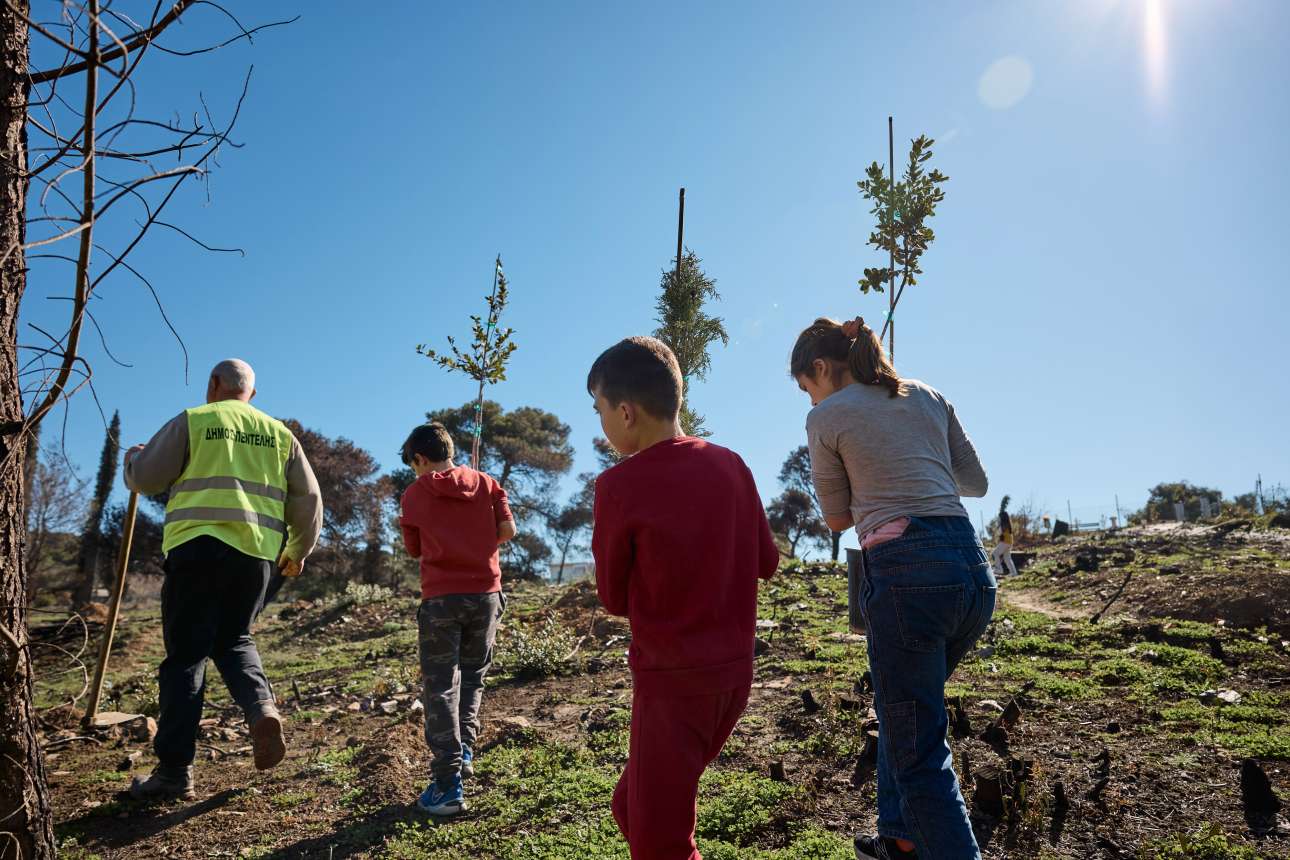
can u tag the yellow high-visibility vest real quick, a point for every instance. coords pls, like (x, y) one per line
(234, 487)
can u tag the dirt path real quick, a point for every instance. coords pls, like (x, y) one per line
(1034, 600)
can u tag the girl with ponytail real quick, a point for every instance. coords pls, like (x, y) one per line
(889, 457)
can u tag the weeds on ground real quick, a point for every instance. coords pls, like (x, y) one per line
(1208, 843)
(70, 849)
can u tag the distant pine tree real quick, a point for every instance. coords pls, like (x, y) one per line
(688, 330)
(92, 536)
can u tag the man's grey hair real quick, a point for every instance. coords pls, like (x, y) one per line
(234, 374)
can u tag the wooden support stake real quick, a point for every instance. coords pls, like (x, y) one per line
(114, 608)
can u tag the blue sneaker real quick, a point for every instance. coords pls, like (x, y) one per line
(467, 763)
(438, 802)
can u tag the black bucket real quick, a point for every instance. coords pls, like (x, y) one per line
(855, 584)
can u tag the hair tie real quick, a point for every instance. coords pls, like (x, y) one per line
(853, 328)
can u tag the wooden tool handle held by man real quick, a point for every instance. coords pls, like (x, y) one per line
(114, 609)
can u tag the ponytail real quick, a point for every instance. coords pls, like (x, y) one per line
(853, 345)
(869, 363)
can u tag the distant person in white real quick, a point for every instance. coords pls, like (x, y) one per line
(1003, 549)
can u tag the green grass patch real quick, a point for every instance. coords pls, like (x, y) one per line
(1253, 741)
(611, 745)
(1208, 843)
(740, 807)
(334, 767)
(98, 777)
(812, 843)
(1120, 672)
(1023, 621)
(1189, 631)
(1034, 644)
(70, 849)
(1184, 663)
(1066, 689)
(290, 799)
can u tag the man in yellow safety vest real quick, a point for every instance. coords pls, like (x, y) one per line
(241, 497)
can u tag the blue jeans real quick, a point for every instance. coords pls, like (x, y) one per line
(928, 595)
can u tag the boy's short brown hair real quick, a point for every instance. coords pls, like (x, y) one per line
(432, 441)
(640, 370)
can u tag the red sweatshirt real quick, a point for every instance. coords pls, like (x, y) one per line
(450, 522)
(680, 540)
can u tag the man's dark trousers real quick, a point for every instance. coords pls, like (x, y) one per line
(211, 595)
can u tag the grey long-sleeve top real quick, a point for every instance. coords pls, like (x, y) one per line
(163, 459)
(882, 457)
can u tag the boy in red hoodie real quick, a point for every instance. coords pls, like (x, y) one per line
(680, 541)
(454, 518)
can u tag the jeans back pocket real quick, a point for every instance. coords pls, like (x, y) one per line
(928, 615)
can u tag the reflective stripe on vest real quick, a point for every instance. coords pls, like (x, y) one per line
(192, 485)
(227, 515)
(234, 486)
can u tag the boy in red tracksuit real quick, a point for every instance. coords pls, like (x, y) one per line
(680, 541)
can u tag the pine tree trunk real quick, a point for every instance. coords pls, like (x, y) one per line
(25, 814)
(564, 552)
(87, 569)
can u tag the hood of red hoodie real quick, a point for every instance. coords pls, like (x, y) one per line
(459, 482)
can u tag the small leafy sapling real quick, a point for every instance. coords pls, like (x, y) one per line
(902, 213)
(485, 360)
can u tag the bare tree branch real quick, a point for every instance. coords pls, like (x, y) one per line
(245, 34)
(143, 38)
(87, 220)
(237, 110)
(160, 309)
(200, 242)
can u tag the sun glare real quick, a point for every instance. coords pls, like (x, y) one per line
(1155, 47)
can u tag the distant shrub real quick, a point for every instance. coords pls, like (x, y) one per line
(533, 652)
(363, 593)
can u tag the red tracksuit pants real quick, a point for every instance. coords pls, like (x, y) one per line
(674, 738)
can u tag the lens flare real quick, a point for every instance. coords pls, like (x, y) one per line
(1155, 48)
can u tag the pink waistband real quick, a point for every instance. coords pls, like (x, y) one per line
(885, 532)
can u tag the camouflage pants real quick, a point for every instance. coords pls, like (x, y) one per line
(455, 635)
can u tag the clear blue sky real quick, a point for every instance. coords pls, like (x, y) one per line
(1104, 303)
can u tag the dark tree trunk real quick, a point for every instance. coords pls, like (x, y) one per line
(92, 541)
(564, 553)
(87, 570)
(25, 815)
(837, 544)
(373, 559)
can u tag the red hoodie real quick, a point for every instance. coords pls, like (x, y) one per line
(680, 541)
(450, 522)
